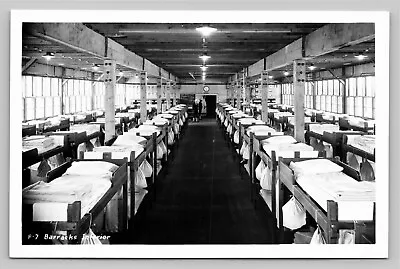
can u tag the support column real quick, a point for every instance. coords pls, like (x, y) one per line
(238, 95)
(168, 95)
(143, 96)
(244, 93)
(264, 96)
(109, 80)
(232, 94)
(174, 89)
(93, 96)
(299, 82)
(159, 95)
(63, 90)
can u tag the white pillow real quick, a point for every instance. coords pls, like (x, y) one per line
(90, 168)
(128, 139)
(316, 166)
(281, 139)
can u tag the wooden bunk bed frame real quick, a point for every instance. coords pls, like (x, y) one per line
(345, 125)
(76, 224)
(328, 221)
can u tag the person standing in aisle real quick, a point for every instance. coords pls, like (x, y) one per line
(195, 110)
(200, 109)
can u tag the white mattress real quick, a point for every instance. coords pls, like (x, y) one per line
(117, 152)
(355, 199)
(49, 198)
(42, 143)
(88, 128)
(291, 120)
(363, 142)
(288, 150)
(282, 114)
(128, 139)
(320, 128)
(260, 130)
(145, 130)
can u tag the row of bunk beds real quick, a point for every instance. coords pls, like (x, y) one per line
(321, 191)
(75, 184)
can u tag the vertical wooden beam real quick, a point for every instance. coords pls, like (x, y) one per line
(299, 79)
(159, 95)
(174, 89)
(232, 94)
(143, 96)
(264, 95)
(168, 95)
(243, 88)
(109, 105)
(314, 92)
(93, 96)
(344, 100)
(63, 90)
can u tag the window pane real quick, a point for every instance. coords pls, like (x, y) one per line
(39, 107)
(67, 108)
(359, 106)
(57, 105)
(70, 91)
(49, 107)
(368, 101)
(37, 86)
(352, 86)
(350, 105)
(30, 108)
(319, 85)
(54, 87)
(370, 86)
(323, 102)
(23, 85)
(334, 104)
(72, 104)
(89, 103)
(361, 86)
(28, 86)
(340, 105)
(78, 104)
(76, 87)
(46, 87)
(328, 103)
(336, 87)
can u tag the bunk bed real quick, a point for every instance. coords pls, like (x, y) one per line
(333, 196)
(62, 209)
(357, 124)
(314, 136)
(137, 154)
(265, 152)
(358, 151)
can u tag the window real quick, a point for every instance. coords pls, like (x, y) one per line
(46, 87)
(40, 108)
(29, 108)
(37, 86)
(49, 106)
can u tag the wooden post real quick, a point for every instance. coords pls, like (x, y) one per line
(264, 96)
(314, 92)
(299, 82)
(168, 95)
(243, 90)
(143, 96)
(109, 105)
(159, 95)
(93, 96)
(174, 88)
(63, 90)
(238, 95)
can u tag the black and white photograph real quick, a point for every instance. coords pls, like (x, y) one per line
(193, 134)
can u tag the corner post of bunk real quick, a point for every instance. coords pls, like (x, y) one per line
(279, 190)
(154, 158)
(332, 216)
(251, 166)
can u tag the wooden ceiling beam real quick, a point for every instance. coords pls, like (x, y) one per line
(80, 38)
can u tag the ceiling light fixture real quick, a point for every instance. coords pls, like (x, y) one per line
(121, 73)
(270, 77)
(95, 67)
(206, 30)
(204, 57)
(312, 67)
(286, 73)
(361, 57)
(203, 67)
(48, 56)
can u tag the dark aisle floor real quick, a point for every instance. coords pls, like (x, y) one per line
(202, 199)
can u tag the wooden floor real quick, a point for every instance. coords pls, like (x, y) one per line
(203, 199)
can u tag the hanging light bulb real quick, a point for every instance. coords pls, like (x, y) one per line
(121, 73)
(270, 77)
(204, 57)
(48, 56)
(361, 57)
(206, 30)
(96, 67)
(312, 67)
(286, 73)
(203, 68)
